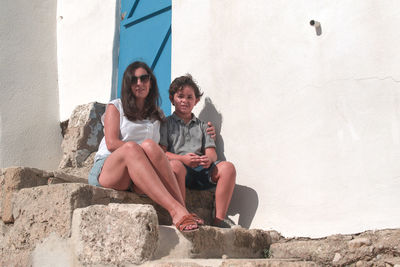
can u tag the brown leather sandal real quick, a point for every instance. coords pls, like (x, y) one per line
(184, 222)
(197, 219)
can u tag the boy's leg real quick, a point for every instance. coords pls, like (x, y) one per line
(224, 174)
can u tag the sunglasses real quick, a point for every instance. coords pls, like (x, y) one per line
(143, 78)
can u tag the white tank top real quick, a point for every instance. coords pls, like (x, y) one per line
(136, 131)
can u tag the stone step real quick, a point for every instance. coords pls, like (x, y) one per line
(213, 242)
(124, 234)
(370, 248)
(13, 179)
(33, 212)
(229, 263)
(38, 211)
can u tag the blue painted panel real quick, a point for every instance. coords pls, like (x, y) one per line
(145, 35)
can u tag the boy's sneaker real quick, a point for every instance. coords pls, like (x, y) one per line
(226, 223)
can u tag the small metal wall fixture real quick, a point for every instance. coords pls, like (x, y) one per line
(317, 26)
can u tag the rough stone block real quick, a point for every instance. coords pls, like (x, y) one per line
(212, 242)
(229, 263)
(83, 134)
(39, 211)
(16, 178)
(53, 251)
(201, 203)
(267, 263)
(371, 247)
(2, 190)
(116, 234)
(44, 209)
(60, 176)
(83, 170)
(358, 242)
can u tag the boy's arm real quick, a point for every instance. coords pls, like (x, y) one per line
(190, 159)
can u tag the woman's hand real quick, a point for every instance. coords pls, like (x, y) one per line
(211, 131)
(191, 159)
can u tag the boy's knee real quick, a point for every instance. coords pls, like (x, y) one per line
(227, 169)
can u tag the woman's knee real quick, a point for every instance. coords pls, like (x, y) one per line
(150, 147)
(178, 167)
(130, 145)
(131, 149)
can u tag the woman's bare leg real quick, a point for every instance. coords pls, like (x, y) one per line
(130, 162)
(225, 176)
(163, 168)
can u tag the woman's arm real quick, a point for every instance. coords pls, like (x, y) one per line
(211, 131)
(111, 128)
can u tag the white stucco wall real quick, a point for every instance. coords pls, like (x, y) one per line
(311, 122)
(30, 133)
(88, 41)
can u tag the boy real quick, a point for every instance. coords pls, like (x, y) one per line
(184, 138)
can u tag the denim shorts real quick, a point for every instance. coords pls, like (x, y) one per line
(96, 170)
(199, 178)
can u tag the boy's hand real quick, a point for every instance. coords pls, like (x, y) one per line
(191, 159)
(211, 131)
(205, 161)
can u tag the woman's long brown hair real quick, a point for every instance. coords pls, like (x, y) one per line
(151, 108)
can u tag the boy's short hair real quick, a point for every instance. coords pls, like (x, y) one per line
(179, 83)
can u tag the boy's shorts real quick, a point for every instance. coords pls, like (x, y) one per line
(199, 178)
(95, 171)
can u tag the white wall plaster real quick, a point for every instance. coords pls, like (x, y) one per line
(88, 41)
(30, 133)
(311, 122)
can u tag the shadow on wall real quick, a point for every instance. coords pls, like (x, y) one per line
(245, 203)
(244, 199)
(210, 113)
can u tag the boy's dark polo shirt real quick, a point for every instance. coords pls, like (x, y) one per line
(180, 138)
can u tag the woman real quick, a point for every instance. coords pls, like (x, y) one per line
(129, 155)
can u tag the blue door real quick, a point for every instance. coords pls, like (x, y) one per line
(145, 35)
